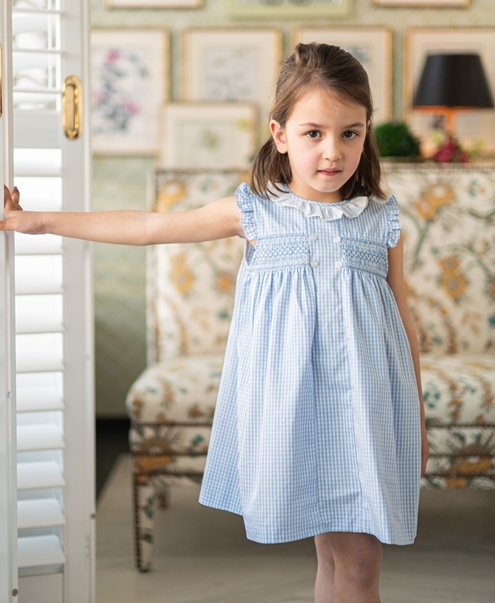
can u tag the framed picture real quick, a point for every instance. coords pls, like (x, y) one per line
(423, 3)
(129, 82)
(372, 46)
(232, 65)
(207, 135)
(419, 42)
(153, 3)
(289, 9)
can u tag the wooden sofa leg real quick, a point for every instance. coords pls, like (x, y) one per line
(143, 515)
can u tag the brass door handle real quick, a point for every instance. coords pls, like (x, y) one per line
(72, 107)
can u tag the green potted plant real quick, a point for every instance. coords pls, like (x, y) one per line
(396, 140)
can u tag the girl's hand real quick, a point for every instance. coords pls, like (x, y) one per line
(26, 222)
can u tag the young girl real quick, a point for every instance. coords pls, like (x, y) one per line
(319, 426)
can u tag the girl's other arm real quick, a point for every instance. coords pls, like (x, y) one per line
(216, 220)
(395, 279)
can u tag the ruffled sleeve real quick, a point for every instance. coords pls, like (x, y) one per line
(245, 199)
(394, 227)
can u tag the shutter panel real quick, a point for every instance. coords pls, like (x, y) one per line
(53, 313)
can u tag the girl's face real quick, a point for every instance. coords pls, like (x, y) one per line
(324, 138)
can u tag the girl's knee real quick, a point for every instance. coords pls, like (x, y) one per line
(362, 562)
(358, 556)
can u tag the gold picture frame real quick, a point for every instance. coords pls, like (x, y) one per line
(289, 9)
(130, 81)
(422, 3)
(231, 64)
(207, 135)
(163, 4)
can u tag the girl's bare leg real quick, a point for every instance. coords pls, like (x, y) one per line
(348, 568)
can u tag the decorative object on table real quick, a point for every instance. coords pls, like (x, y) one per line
(190, 298)
(207, 135)
(289, 9)
(474, 127)
(153, 3)
(232, 65)
(423, 3)
(372, 46)
(447, 217)
(129, 82)
(395, 139)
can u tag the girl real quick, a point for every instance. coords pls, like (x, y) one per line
(319, 427)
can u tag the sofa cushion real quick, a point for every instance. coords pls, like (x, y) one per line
(180, 390)
(459, 399)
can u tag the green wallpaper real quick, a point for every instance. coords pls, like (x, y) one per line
(120, 182)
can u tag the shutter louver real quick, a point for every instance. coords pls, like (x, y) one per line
(40, 345)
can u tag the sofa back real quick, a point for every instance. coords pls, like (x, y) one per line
(191, 286)
(448, 224)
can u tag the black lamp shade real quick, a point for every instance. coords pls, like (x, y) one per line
(453, 80)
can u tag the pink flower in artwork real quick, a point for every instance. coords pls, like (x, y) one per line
(131, 107)
(113, 55)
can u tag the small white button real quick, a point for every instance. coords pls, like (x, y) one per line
(314, 263)
(312, 237)
(336, 239)
(339, 264)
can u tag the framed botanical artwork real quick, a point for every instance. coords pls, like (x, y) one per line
(289, 9)
(129, 82)
(423, 3)
(153, 3)
(232, 65)
(472, 127)
(372, 46)
(207, 135)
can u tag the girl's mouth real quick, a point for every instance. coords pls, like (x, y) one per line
(329, 172)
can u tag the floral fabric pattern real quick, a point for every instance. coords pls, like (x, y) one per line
(193, 284)
(448, 224)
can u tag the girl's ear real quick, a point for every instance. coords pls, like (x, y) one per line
(278, 135)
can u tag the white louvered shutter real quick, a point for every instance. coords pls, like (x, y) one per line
(53, 307)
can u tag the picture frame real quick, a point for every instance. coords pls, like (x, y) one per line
(373, 49)
(422, 3)
(232, 64)
(181, 4)
(129, 82)
(289, 9)
(419, 41)
(207, 135)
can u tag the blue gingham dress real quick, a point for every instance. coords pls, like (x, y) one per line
(317, 425)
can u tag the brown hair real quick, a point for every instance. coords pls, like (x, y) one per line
(329, 68)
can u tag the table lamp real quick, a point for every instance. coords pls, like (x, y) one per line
(450, 83)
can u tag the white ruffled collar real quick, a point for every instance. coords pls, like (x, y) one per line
(351, 208)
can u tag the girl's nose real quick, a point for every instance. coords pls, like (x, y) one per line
(332, 150)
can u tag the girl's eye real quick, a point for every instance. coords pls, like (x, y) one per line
(313, 134)
(350, 135)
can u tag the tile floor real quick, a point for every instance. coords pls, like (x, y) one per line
(202, 555)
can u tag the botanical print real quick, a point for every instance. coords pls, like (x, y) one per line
(207, 135)
(128, 78)
(364, 54)
(231, 74)
(119, 77)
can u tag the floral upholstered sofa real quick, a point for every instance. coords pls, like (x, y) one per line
(448, 224)
(448, 220)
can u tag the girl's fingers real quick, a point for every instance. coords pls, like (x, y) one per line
(11, 201)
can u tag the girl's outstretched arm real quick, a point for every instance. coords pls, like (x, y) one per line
(395, 279)
(216, 220)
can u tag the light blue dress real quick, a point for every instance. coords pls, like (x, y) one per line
(317, 425)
